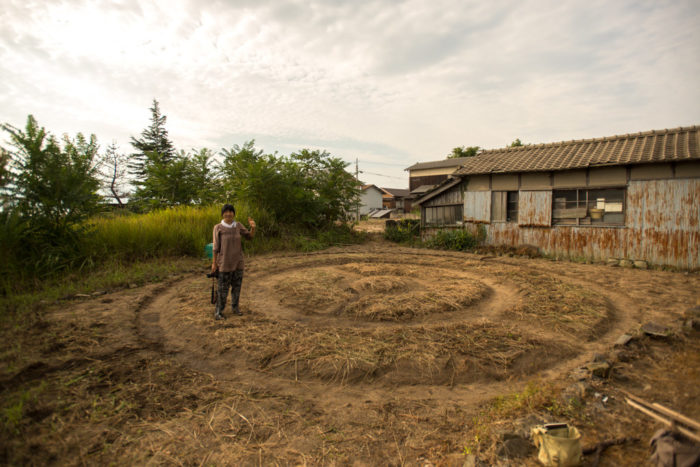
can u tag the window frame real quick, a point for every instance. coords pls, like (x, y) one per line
(442, 209)
(586, 200)
(502, 200)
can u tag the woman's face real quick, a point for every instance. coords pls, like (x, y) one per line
(229, 216)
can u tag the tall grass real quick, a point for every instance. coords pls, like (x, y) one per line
(183, 230)
(116, 240)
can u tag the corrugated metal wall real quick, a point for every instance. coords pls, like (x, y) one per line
(662, 225)
(535, 208)
(477, 206)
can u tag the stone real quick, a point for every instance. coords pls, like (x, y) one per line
(655, 330)
(599, 369)
(626, 263)
(612, 262)
(623, 340)
(640, 264)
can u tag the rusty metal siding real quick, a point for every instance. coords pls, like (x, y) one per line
(535, 208)
(477, 206)
(662, 226)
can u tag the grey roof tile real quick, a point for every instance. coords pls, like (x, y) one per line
(677, 144)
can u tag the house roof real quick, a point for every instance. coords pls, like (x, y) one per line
(441, 188)
(422, 189)
(454, 162)
(679, 144)
(397, 192)
(367, 187)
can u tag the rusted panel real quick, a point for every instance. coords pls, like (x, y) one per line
(535, 208)
(477, 206)
(662, 226)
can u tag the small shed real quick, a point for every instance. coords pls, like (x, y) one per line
(633, 196)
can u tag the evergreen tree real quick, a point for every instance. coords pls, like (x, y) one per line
(153, 145)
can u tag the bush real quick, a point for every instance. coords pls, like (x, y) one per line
(460, 240)
(402, 231)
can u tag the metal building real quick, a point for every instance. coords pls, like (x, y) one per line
(634, 196)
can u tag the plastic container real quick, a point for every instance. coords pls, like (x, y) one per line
(209, 250)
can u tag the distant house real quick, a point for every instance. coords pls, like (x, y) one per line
(370, 199)
(634, 196)
(396, 198)
(425, 175)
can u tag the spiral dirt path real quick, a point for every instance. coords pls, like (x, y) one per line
(371, 354)
(176, 319)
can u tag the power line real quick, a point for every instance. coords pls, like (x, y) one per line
(381, 175)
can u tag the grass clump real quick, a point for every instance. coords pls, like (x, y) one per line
(403, 231)
(459, 240)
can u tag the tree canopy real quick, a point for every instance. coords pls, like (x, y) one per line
(152, 145)
(463, 151)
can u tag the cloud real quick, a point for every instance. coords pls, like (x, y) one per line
(385, 82)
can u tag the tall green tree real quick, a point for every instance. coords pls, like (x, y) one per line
(5, 176)
(309, 188)
(154, 139)
(56, 187)
(207, 184)
(462, 151)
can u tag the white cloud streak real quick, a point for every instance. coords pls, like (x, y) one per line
(390, 83)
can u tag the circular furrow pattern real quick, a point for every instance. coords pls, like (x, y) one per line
(399, 317)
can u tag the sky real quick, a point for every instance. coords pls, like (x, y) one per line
(385, 82)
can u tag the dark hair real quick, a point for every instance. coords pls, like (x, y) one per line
(228, 207)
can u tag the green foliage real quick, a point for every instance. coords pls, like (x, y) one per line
(5, 174)
(516, 143)
(186, 178)
(308, 188)
(463, 151)
(402, 231)
(154, 139)
(54, 189)
(460, 240)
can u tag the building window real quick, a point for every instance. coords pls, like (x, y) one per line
(588, 207)
(504, 206)
(443, 215)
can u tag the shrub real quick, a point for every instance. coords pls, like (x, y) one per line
(402, 231)
(460, 240)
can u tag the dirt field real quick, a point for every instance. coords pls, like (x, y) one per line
(366, 355)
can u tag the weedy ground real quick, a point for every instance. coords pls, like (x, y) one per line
(371, 354)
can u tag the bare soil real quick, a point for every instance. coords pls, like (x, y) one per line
(366, 355)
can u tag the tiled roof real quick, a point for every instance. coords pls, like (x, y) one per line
(422, 189)
(400, 192)
(454, 162)
(679, 144)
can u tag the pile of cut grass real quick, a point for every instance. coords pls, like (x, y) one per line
(568, 309)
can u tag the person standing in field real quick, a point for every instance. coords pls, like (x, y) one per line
(228, 258)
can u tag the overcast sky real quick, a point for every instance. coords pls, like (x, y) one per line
(387, 82)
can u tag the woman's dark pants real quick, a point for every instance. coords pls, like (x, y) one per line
(232, 279)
